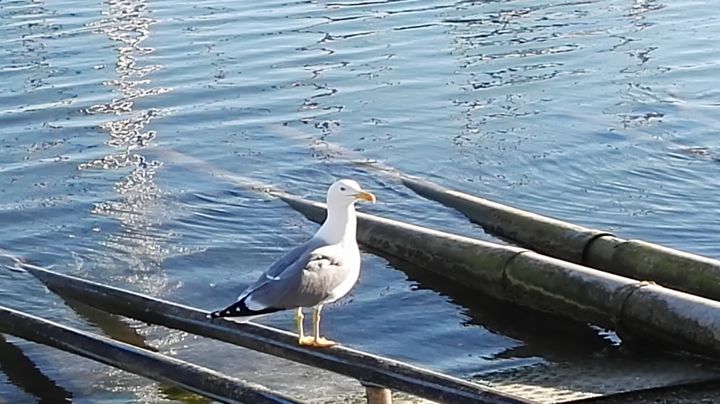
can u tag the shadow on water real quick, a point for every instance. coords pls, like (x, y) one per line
(111, 325)
(24, 373)
(114, 327)
(553, 337)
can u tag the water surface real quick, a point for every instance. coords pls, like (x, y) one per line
(598, 112)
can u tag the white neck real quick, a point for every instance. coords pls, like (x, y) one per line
(340, 225)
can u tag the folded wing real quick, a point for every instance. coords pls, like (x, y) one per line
(304, 277)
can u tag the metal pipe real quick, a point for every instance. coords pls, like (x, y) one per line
(544, 283)
(369, 369)
(196, 379)
(679, 270)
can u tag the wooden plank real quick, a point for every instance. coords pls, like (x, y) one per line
(362, 366)
(196, 379)
(378, 395)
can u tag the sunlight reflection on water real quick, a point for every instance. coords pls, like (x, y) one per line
(135, 135)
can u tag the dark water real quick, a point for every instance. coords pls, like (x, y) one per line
(120, 121)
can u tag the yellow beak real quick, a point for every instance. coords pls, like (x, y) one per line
(365, 196)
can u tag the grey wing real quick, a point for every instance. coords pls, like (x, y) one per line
(298, 253)
(283, 266)
(285, 262)
(308, 281)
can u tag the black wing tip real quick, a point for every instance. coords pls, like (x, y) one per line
(236, 310)
(239, 309)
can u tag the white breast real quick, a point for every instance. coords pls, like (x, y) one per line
(352, 266)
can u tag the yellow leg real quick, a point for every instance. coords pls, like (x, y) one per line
(302, 339)
(315, 341)
(319, 341)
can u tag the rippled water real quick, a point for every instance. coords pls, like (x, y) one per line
(128, 126)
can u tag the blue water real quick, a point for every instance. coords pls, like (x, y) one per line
(128, 128)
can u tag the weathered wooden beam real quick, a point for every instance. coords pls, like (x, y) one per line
(196, 379)
(378, 395)
(362, 366)
(637, 259)
(535, 281)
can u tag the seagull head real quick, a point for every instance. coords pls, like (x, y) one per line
(346, 192)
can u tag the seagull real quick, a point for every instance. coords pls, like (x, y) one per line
(320, 271)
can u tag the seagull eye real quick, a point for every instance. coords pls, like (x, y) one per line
(343, 189)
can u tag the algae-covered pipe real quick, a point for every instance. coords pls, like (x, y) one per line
(679, 270)
(544, 283)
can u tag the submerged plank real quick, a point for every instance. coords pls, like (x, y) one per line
(359, 365)
(196, 379)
